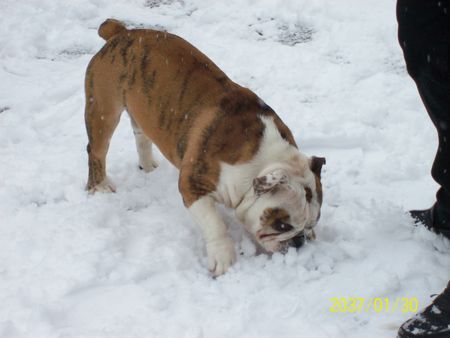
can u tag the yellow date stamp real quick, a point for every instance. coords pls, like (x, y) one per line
(374, 305)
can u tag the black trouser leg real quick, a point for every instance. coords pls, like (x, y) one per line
(436, 97)
(424, 35)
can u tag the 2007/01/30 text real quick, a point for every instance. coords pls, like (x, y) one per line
(377, 305)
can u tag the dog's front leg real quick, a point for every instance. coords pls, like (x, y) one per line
(219, 245)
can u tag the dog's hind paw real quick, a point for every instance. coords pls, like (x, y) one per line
(148, 166)
(104, 186)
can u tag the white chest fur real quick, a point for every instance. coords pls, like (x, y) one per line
(235, 181)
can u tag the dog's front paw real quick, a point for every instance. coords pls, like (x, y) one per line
(221, 256)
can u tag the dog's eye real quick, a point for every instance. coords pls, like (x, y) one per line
(282, 227)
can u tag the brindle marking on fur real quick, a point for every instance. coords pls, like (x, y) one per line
(178, 121)
(114, 42)
(184, 84)
(124, 51)
(145, 61)
(169, 118)
(162, 118)
(272, 215)
(91, 81)
(209, 131)
(133, 69)
(308, 194)
(200, 186)
(201, 168)
(194, 102)
(132, 78)
(177, 75)
(202, 177)
(163, 113)
(90, 77)
(149, 80)
(181, 145)
(122, 78)
(112, 45)
(222, 80)
(95, 172)
(184, 126)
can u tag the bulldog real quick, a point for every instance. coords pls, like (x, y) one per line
(229, 146)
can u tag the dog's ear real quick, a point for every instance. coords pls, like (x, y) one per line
(316, 163)
(270, 181)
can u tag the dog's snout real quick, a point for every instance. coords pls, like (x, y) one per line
(298, 240)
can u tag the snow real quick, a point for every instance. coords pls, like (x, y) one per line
(132, 264)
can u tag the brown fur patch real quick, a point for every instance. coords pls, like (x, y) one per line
(268, 183)
(272, 215)
(308, 194)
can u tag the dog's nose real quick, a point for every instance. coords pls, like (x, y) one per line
(298, 240)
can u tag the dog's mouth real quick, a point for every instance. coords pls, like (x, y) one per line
(265, 237)
(296, 241)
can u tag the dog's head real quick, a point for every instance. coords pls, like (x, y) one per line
(286, 205)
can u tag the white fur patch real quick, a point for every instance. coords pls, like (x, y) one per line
(219, 246)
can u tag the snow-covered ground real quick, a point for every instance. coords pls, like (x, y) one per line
(132, 264)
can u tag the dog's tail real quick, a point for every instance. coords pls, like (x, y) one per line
(110, 28)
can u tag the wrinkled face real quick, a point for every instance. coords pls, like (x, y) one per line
(286, 206)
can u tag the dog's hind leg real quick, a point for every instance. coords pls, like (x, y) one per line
(101, 120)
(144, 148)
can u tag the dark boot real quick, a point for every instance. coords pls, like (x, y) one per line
(432, 322)
(429, 218)
(424, 217)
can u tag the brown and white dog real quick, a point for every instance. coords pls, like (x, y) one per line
(229, 146)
